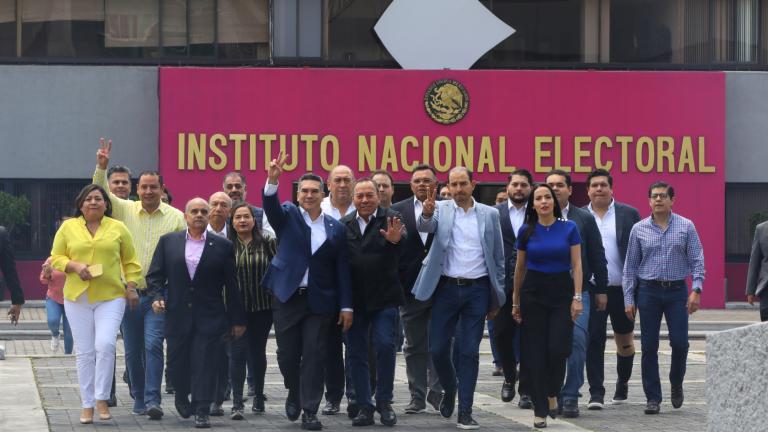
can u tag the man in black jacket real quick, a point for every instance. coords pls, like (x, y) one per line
(8, 267)
(415, 314)
(373, 237)
(192, 280)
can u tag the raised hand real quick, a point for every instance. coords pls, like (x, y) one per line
(276, 167)
(102, 155)
(428, 207)
(394, 230)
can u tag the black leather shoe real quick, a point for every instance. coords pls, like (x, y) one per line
(570, 408)
(154, 412)
(507, 392)
(364, 417)
(216, 410)
(677, 396)
(202, 421)
(292, 410)
(183, 406)
(620, 395)
(331, 408)
(652, 407)
(353, 409)
(258, 404)
(525, 402)
(387, 415)
(466, 422)
(434, 398)
(448, 403)
(310, 422)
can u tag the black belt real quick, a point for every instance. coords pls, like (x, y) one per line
(665, 284)
(463, 281)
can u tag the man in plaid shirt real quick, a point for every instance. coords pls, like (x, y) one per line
(664, 249)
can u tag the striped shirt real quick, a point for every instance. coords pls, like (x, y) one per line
(145, 228)
(663, 254)
(251, 264)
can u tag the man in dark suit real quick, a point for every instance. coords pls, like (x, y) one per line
(757, 276)
(512, 216)
(373, 238)
(310, 280)
(192, 280)
(414, 313)
(615, 221)
(593, 266)
(8, 267)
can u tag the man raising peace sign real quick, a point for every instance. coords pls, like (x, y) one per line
(310, 280)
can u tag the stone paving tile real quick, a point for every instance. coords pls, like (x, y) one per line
(57, 384)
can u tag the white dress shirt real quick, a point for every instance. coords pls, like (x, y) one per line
(362, 223)
(607, 227)
(565, 211)
(418, 207)
(332, 211)
(465, 257)
(222, 233)
(516, 216)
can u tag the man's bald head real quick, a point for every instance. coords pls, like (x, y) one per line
(220, 206)
(341, 180)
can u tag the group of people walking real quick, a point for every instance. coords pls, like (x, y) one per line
(353, 269)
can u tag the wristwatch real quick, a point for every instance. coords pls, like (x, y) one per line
(577, 297)
(697, 290)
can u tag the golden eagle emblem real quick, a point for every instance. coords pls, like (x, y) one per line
(446, 101)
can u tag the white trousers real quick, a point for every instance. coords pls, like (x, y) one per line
(94, 328)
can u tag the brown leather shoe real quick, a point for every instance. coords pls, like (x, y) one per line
(86, 416)
(103, 409)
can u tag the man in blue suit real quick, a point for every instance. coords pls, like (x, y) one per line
(310, 280)
(463, 274)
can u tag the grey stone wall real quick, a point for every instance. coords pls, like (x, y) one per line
(737, 379)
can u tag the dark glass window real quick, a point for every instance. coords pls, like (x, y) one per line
(7, 28)
(351, 37)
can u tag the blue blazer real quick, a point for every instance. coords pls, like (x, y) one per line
(329, 288)
(441, 224)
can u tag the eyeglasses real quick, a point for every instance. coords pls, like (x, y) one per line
(661, 195)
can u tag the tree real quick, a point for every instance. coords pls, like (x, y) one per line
(13, 210)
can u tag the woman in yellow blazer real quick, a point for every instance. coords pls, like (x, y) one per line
(97, 254)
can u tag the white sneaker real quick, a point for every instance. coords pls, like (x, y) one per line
(54, 343)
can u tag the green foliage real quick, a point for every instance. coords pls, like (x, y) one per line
(13, 210)
(755, 219)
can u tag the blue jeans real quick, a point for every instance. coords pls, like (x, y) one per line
(55, 313)
(653, 300)
(383, 328)
(574, 377)
(143, 336)
(467, 305)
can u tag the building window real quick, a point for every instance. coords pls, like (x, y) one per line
(351, 38)
(744, 208)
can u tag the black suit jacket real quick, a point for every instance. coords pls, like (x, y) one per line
(374, 262)
(626, 217)
(510, 251)
(209, 303)
(593, 260)
(8, 267)
(412, 251)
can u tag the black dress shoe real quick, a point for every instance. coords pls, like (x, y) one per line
(331, 408)
(183, 406)
(309, 421)
(387, 415)
(448, 403)
(570, 408)
(202, 421)
(507, 392)
(652, 407)
(677, 396)
(216, 410)
(364, 417)
(292, 410)
(525, 402)
(353, 409)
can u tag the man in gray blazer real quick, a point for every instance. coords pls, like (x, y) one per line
(757, 277)
(463, 274)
